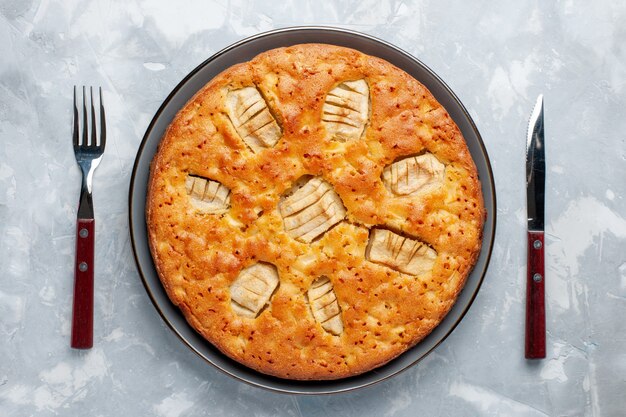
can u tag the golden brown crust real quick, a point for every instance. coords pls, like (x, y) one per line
(383, 312)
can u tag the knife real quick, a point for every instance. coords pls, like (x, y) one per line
(535, 195)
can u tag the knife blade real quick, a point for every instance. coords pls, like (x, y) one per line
(535, 343)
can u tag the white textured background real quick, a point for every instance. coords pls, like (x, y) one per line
(497, 56)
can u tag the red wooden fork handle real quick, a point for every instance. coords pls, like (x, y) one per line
(535, 298)
(82, 311)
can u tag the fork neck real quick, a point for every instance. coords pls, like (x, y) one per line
(85, 205)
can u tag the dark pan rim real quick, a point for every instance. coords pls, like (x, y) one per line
(301, 385)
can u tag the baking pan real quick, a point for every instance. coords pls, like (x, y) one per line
(244, 51)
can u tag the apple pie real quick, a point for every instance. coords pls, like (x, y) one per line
(314, 212)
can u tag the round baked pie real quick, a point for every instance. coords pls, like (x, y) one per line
(314, 212)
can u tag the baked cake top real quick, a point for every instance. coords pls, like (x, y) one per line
(314, 212)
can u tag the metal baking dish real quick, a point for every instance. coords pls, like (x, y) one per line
(244, 51)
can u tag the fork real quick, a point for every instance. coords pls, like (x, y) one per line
(88, 153)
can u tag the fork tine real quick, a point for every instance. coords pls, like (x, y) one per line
(94, 134)
(75, 128)
(85, 138)
(103, 128)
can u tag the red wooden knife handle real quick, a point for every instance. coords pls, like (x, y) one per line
(535, 298)
(82, 311)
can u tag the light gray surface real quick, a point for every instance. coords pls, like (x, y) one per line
(496, 56)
